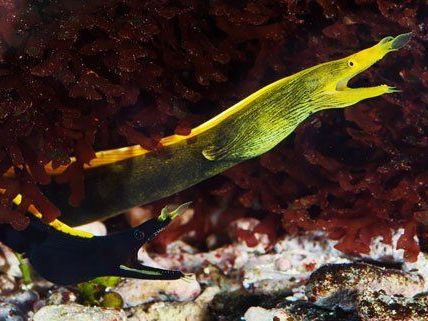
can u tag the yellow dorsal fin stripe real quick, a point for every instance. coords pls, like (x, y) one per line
(115, 155)
(56, 224)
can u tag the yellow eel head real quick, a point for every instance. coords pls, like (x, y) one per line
(336, 93)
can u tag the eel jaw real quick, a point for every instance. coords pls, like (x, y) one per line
(342, 85)
(139, 271)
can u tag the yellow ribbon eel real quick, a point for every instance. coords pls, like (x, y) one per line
(117, 180)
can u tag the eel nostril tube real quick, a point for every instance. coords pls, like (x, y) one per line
(401, 40)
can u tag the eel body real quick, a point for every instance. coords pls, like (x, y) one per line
(121, 179)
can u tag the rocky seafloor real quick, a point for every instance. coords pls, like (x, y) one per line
(299, 278)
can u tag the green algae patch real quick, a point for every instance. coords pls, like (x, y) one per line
(96, 292)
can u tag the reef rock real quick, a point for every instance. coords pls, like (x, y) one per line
(299, 312)
(378, 306)
(338, 280)
(75, 312)
(174, 311)
(135, 292)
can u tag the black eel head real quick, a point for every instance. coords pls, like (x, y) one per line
(66, 259)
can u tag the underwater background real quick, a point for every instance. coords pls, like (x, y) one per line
(81, 76)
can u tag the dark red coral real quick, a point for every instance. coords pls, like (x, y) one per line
(79, 76)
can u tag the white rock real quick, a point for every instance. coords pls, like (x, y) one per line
(135, 292)
(261, 314)
(10, 263)
(7, 284)
(173, 311)
(75, 312)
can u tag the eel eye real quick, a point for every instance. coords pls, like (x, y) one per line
(351, 63)
(139, 235)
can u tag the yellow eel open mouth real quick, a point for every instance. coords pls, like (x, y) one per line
(364, 59)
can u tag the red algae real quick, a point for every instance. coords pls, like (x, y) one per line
(81, 76)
